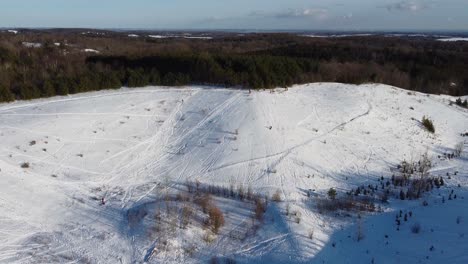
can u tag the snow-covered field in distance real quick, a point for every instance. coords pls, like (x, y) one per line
(452, 39)
(61, 157)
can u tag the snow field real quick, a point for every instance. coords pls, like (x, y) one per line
(131, 147)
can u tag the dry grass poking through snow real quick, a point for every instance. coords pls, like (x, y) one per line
(200, 216)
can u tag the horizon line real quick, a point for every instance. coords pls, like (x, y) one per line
(243, 30)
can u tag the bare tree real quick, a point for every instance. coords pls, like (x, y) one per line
(424, 165)
(216, 218)
(249, 193)
(459, 149)
(186, 215)
(241, 192)
(260, 208)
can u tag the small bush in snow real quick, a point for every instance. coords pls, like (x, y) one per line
(331, 193)
(298, 217)
(461, 103)
(25, 165)
(181, 197)
(276, 196)
(185, 216)
(216, 218)
(249, 193)
(416, 228)
(260, 208)
(204, 202)
(364, 204)
(459, 149)
(428, 124)
(241, 192)
(402, 195)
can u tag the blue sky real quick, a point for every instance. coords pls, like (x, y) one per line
(238, 14)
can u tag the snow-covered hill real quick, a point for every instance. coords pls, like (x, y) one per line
(90, 178)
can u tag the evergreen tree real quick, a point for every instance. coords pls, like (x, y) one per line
(28, 91)
(332, 193)
(155, 77)
(47, 89)
(61, 86)
(5, 94)
(402, 195)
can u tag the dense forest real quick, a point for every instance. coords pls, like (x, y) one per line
(46, 63)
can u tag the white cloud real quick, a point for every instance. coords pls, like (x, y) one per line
(408, 5)
(315, 13)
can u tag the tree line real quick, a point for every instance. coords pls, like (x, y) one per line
(257, 61)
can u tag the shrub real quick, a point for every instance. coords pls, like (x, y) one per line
(204, 202)
(347, 204)
(332, 193)
(25, 165)
(402, 195)
(216, 218)
(249, 193)
(298, 218)
(181, 197)
(240, 192)
(428, 124)
(416, 228)
(186, 215)
(461, 103)
(260, 209)
(459, 149)
(276, 196)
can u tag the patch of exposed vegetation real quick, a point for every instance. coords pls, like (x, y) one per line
(428, 124)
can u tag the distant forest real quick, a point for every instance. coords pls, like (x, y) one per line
(37, 64)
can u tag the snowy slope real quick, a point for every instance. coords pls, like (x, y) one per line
(130, 146)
